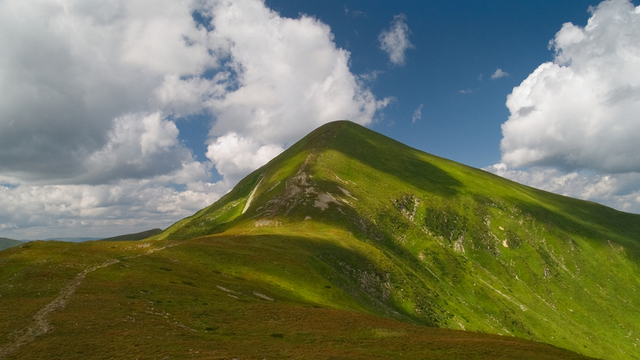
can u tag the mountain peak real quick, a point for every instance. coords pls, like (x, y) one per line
(426, 240)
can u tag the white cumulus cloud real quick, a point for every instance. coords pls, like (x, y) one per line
(288, 77)
(574, 121)
(395, 40)
(499, 73)
(45, 211)
(94, 92)
(581, 111)
(69, 70)
(236, 156)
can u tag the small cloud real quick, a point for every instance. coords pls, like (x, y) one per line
(467, 91)
(355, 13)
(499, 74)
(480, 77)
(417, 115)
(372, 76)
(395, 41)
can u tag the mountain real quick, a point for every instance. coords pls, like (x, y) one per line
(348, 245)
(133, 237)
(6, 243)
(426, 240)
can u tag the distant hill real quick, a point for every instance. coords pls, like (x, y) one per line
(72, 239)
(348, 245)
(134, 237)
(126, 237)
(6, 243)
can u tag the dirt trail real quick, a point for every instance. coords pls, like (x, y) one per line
(40, 323)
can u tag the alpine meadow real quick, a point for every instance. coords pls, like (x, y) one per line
(347, 245)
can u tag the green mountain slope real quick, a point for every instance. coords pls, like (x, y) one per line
(425, 240)
(133, 237)
(6, 243)
(348, 245)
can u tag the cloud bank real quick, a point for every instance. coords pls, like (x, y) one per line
(92, 93)
(575, 120)
(395, 41)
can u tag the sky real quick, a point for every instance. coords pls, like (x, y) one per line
(126, 115)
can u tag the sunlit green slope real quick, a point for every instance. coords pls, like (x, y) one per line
(429, 241)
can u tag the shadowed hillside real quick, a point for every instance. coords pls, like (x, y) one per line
(6, 243)
(133, 237)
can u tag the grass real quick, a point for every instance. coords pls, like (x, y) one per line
(209, 298)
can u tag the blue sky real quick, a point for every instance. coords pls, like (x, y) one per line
(458, 45)
(121, 116)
